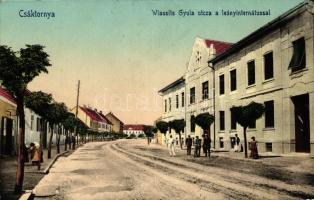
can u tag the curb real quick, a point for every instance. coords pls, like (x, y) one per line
(46, 171)
(29, 193)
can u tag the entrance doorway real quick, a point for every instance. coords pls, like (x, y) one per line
(302, 123)
(6, 136)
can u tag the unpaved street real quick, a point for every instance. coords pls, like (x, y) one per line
(122, 170)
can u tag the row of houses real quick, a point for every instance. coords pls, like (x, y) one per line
(273, 65)
(93, 119)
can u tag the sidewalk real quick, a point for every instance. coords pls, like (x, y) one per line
(282, 167)
(32, 176)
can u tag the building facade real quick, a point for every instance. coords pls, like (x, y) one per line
(136, 129)
(93, 119)
(273, 65)
(117, 124)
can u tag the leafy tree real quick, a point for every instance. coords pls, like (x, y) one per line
(178, 125)
(56, 113)
(141, 135)
(17, 70)
(246, 116)
(132, 136)
(69, 125)
(204, 120)
(148, 130)
(162, 126)
(38, 102)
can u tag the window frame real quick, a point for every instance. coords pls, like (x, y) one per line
(248, 72)
(221, 86)
(266, 65)
(233, 82)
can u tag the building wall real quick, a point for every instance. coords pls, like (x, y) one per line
(281, 88)
(7, 110)
(174, 113)
(135, 132)
(197, 73)
(116, 124)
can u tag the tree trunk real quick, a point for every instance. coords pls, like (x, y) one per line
(209, 135)
(245, 141)
(180, 140)
(58, 139)
(73, 142)
(50, 142)
(21, 139)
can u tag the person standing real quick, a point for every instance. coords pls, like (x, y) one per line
(188, 143)
(197, 149)
(237, 143)
(253, 148)
(206, 145)
(171, 145)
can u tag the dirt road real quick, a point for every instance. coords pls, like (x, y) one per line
(116, 170)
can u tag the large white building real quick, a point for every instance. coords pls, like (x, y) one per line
(274, 65)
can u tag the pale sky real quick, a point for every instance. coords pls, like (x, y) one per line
(120, 51)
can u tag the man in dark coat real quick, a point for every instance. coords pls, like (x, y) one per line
(206, 145)
(188, 143)
(197, 148)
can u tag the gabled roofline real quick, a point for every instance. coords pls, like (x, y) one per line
(173, 84)
(115, 117)
(270, 26)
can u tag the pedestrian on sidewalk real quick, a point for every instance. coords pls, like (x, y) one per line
(197, 148)
(26, 155)
(206, 145)
(171, 145)
(253, 148)
(35, 155)
(237, 143)
(188, 143)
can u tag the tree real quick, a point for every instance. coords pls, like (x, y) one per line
(178, 125)
(148, 130)
(38, 102)
(17, 70)
(69, 125)
(162, 126)
(204, 120)
(56, 113)
(246, 116)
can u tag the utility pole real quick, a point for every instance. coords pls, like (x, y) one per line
(76, 112)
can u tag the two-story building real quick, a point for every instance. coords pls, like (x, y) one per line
(117, 124)
(274, 65)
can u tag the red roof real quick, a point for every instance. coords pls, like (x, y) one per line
(95, 115)
(6, 94)
(219, 46)
(137, 127)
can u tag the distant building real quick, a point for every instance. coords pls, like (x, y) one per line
(135, 129)
(117, 124)
(93, 119)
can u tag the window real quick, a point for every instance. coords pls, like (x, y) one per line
(269, 147)
(268, 66)
(222, 120)
(192, 123)
(205, 90)
(182, 99)
(177, 101)
(169, 104)
(221, 142)
(233, 80)
(233, 121)
(38, 124)
(251, 72)
(222, 84)
(298, 58)
(269, 114)
(165, 105)
(192, 95)
(32, 122)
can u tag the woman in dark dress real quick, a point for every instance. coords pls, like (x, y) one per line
(253, 148)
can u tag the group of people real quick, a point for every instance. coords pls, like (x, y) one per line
(206, 144)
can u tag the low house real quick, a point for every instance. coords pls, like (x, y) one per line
(93, 119)
(8, 125)
(117, 124)
(136, 129)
